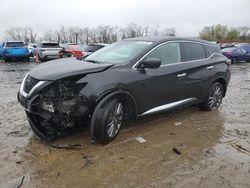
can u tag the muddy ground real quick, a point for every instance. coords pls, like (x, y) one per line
(214, 146)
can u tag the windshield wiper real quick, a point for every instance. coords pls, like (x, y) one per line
(92, 61)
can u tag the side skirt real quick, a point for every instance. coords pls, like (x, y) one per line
(169, 106)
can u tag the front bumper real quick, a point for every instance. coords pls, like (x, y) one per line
(49, 125)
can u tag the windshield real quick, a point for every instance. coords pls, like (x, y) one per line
(14, 44)
(119, 52)
(92, 48)
(74, 47)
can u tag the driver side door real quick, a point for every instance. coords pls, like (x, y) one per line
(161, 86)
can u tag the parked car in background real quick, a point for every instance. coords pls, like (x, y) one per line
(47, 50)
(30, 47)
(90, 48)
(246, 47)
(73, 50)
(226, 45)
(127, 79)
(236, 54)
(14, 50)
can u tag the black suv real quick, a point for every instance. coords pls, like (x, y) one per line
(130, 78)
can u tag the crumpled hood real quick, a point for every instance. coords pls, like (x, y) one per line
(65, 67)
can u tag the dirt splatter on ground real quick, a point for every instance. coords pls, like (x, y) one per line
(214, 146)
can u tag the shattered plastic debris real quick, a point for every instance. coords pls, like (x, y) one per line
(178, 123)
(140, 139)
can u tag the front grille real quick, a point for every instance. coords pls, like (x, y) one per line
(29, 83)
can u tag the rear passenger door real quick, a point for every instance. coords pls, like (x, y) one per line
(198, 69)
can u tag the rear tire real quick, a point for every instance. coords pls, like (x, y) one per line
(27, 59)
(6, 59)
(234, 60)
(109, 121)
(40, 59)
(213, 97)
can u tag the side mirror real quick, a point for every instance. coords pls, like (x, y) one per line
(151, 63)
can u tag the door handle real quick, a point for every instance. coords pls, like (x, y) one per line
(210, 67)
(181, 75)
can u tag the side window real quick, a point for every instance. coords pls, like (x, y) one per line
(168, 53)
(243, 51)
(212, 49)
(193, 51)
(239, 51)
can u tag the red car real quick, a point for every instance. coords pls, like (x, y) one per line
(73, 50)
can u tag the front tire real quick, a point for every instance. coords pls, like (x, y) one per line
(213, 98)
(109, 121)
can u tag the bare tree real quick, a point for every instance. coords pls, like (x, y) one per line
(243, 30)
(25, 34)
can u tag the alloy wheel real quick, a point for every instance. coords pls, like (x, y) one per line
(215, 97)
(115, 119)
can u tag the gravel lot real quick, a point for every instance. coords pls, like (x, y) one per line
(214, 146)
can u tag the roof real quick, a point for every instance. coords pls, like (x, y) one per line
(165, 39)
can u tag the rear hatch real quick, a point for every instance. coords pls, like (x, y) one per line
(16, 49)
(50, 48)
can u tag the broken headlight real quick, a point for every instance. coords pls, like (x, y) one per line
(63, 100)
(61, 96)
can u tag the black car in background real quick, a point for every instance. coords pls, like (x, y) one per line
(125, 80)
(90, 48)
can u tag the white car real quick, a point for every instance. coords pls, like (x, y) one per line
(30, 47)
(48, 51)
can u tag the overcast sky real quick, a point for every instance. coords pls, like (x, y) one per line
(187, 16)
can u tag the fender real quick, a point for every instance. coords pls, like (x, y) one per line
(101, 102)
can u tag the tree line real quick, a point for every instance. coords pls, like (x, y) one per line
(99, 34)
(110, 34)
(223, 33)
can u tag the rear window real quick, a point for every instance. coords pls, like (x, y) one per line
(74, 47)
(193, 51)
(212, 49)
(92, 48)
(14, 44)
(50, 45)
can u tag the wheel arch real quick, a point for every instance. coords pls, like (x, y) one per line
(223, 83)
(126, 97)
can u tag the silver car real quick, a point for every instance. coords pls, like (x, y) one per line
(48, 51)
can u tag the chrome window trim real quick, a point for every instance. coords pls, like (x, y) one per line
(26, 95)
(177, 41)
(22, 86)
(168, 106)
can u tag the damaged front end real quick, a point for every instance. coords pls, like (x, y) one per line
(54, 108)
